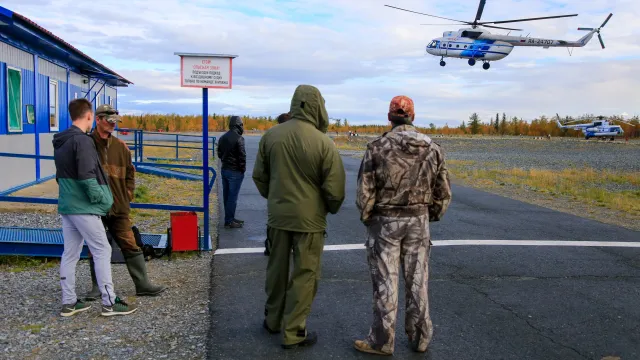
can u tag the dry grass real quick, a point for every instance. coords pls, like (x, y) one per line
(12, 263)
(584, 184)
(351, 143)
(162, 152)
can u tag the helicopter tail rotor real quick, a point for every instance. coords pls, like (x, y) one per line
(598, 29)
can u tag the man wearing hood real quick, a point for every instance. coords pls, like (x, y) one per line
(282, 118)
(84, 197)
(300, 173)
(232, 154)
(115, 157)
(403, 184)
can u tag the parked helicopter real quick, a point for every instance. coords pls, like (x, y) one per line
(600, 128)
(479, 44)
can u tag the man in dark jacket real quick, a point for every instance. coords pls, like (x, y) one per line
(267, 243)
(232, 154)
(299, 171)
(115, 157)
(84, 196)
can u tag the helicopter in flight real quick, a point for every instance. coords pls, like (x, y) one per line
(600, 128)
(475, 43)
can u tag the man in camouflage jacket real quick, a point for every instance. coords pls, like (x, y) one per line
(403, 184)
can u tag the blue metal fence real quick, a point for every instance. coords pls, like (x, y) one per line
(208, 177)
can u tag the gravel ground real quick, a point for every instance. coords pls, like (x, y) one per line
(554, 154)
(173, 325)
(42, 220)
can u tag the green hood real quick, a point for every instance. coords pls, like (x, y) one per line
(308, 105)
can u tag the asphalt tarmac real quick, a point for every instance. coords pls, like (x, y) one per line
(486, 302)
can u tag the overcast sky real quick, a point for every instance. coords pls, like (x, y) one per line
(359, 53)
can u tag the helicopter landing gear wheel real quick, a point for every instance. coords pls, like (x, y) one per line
(486, 65)
(472, 62)
(442, 63)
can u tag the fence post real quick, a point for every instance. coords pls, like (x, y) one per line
(141, 144)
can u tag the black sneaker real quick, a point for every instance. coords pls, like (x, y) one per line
(233, 225)
(311, 339)
(239, 221)
(119, 308)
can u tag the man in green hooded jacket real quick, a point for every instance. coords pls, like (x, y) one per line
(299, 171)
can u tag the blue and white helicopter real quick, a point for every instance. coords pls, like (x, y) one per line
(479, 44)
(600, 128)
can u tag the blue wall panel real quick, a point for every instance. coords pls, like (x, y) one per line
(63, 103)
(43, 104)
(42, 115)
(3, 98)
(28, 98)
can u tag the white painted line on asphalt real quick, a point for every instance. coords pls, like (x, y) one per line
(463, 243)
(537, 243)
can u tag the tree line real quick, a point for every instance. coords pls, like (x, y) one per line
(501, 125)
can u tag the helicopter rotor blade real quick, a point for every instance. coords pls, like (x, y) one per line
(439, 24)
(526, 19)
(601, 42)
(499, 27)
(439, 17)
(607, 20)
(480, 10)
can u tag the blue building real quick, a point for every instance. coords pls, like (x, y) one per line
(39, 74)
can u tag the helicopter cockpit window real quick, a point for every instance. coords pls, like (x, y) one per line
(597, 123)
(432, 44)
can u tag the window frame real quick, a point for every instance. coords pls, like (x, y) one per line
(56, 83)
(9, 130)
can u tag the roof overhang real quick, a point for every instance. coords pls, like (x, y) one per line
(25, 34)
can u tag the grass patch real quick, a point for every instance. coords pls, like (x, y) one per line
(160, 190)
(585, 185)
(18, 263)
(141, 194)
(166, 152)
(34, 329)
(350, 143)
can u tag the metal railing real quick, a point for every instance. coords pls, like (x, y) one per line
(138, 148)
(139, 142)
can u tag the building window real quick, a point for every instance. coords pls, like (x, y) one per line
(14, 99)
(53, 106)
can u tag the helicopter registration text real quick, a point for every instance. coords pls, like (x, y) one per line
(540, 41)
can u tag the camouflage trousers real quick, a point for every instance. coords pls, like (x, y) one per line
(390, 242)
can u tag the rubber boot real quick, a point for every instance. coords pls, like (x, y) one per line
(94, 294)
(138, 271)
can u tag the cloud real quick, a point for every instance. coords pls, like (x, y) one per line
(358, 53)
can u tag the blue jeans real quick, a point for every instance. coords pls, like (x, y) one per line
(231, 182)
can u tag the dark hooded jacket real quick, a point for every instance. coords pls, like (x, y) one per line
(231, 150)
(83, 185)
(298, 168)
